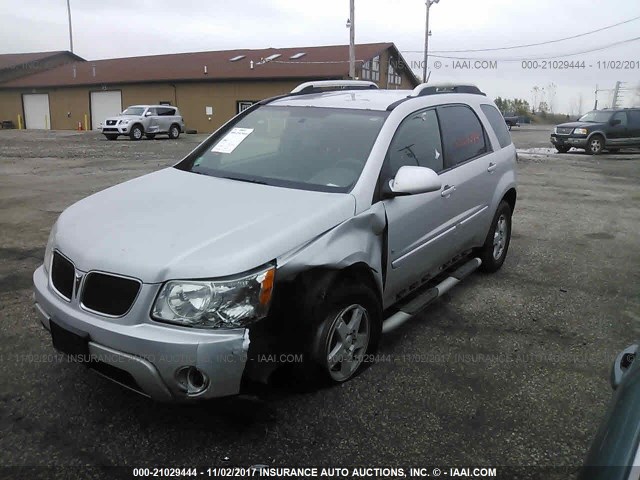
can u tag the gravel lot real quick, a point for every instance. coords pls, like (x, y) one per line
(508, 369)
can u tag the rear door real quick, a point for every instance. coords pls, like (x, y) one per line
(618, 135)
(634, 127)
(471, 169)
(166, 116)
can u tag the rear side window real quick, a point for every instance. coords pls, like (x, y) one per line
(634, 118)
(498, 124)
(622, 116)
(462, 135)
(416, 143)
(165, 111)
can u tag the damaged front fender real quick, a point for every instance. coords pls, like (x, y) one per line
(358, 240)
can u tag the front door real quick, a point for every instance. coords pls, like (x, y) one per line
(420, 227)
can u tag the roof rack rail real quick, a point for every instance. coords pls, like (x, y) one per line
(329, 85)
(435, 89)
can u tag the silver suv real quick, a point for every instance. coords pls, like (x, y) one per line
(144, 120)
(294, 236)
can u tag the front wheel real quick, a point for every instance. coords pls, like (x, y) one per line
(136, 132)
(595, 145)
(174, 132)
(345, 333)
(496, 245)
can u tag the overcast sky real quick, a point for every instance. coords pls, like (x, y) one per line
(121, 28)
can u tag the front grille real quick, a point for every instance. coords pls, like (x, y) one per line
(564, 130)
(62, 275)
(108, 294)
(111, 122)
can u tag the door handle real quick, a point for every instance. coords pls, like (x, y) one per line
(492, 166)
(448, 190)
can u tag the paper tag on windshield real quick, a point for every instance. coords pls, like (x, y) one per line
(231, 140)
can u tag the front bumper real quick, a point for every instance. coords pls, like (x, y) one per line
(568, 141)
(144, 355)
(117, 129)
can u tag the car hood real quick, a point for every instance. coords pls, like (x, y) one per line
(580, 124)
(173, 224)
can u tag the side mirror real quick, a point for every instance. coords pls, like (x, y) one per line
(621, 365)
(148, 114)
(615, 121)
(413, 180)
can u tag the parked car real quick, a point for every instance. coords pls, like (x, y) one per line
(296, 234)
(615, 452)
(145, 120)
(511, 120)
(599, 130)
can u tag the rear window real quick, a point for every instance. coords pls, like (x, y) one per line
(166, 111)
(462, 134)
(498, 125)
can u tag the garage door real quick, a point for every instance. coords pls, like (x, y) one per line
(103, 105)
(36, 111)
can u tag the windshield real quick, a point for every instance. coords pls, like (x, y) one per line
(310, 148)
(137, 111)
(598, 117)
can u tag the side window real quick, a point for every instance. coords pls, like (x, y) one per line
(622, 116)
(462, 134)
(166, 112)
(416, 143)
(498, 124)
(634, 118)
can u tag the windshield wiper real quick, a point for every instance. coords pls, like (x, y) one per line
(246, 180)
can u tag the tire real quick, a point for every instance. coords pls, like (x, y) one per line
(174, 131)
(595, 145)
(563, 149)
(110, 136)
(339, 343)
(150, 136)
(495, 248)
(136, 132)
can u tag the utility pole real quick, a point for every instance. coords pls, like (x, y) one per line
(352, 39)
(428, 4)
(70, 30)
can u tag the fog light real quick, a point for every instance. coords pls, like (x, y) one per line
(192, 380)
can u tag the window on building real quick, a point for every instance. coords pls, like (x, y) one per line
(393, 78)
(416, 143)
(462, 135)
(371, 69)
(498, 124)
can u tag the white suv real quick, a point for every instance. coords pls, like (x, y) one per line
(298, 233)
(144, 120)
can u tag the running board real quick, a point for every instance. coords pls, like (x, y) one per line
(411, 308)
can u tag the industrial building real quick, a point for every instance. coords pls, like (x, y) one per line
(207, 87)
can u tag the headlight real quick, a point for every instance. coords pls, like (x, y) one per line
(48, 252)
(580, 131)
(216, 303)
(123, 122)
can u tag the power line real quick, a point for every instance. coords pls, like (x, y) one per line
(532, 44)
(537, 58)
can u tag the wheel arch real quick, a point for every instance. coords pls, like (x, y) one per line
(510, 197)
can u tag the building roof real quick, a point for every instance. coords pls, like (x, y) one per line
(15, 60)
(270, 63)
